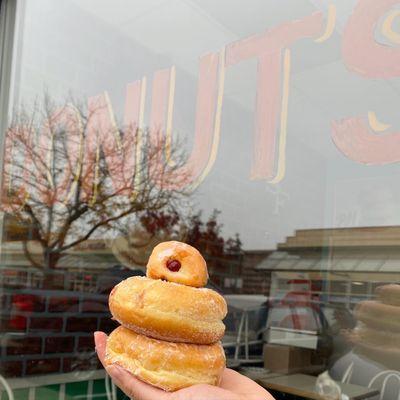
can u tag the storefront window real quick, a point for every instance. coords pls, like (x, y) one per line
(262, 133)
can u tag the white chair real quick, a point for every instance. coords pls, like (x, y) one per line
(244, 336)
(382, 379)
(111, 389)
(7, 388)
(348, 373)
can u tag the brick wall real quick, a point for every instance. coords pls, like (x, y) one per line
(50, 331)
(255, 281)
(228, 266)
(240, 266)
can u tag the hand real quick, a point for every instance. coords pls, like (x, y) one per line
(233, 385)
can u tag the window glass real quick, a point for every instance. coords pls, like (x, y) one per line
(263, 133)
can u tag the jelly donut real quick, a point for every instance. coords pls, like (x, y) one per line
(169, 366)
(378, 315)
(389, 294)
(177, 262)
(171, 325)
(169, 311)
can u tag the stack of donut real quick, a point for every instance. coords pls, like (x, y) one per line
(170, 324)
(377, 336)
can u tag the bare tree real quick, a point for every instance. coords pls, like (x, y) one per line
(71, 174)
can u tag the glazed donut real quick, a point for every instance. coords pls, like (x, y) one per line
(169, 366)
(169, 311)
(388, 357)
(379, 316)
(177, 262)
(374, 337)
(389, 294)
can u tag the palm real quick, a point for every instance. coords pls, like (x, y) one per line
(233, 385)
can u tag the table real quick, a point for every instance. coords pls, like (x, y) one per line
(243, 304)
(304, 386)
(257, 373)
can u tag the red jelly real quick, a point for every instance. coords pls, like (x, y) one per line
(173, 265)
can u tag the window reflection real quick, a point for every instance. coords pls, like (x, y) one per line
(265, 136)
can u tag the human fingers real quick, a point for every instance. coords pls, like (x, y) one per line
(133, 387)
(100, 340)
(129, 384)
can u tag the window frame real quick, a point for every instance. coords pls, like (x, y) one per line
(8, 13)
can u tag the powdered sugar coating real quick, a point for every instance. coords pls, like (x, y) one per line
(169, 311)
(170, 329)
(169, 366)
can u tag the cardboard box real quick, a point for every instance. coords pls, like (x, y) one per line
(286, 359)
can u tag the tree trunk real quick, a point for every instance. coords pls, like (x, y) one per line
(51, 259)
(52, 279)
